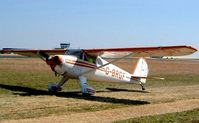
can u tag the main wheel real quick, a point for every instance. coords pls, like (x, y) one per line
(53, 88)
(89, 91)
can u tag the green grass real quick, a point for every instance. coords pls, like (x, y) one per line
(174, 80)
(32, 80)
(38, 79)
(41, 80)
(191, 116)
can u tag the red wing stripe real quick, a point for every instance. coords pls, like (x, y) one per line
(138, 49)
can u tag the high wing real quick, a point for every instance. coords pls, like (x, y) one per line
(112, 52)
(142, 51)
(31, 52)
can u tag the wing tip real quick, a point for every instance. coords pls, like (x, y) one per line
(190, 47)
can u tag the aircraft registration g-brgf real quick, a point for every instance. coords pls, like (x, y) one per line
(88, 64)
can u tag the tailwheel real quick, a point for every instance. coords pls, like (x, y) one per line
(143, 88)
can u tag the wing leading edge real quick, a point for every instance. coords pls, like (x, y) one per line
(31, 52)
(142, 51)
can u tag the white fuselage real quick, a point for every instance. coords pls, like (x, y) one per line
(74, 67)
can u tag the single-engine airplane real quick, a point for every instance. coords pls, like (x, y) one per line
(88, 64)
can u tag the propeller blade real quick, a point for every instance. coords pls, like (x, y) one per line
(43, 54)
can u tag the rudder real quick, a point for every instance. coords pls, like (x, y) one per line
(141, 71)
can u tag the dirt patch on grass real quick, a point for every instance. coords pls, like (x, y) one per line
(118, 114)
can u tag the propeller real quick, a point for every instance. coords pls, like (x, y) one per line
(44, 55)
(51, 61)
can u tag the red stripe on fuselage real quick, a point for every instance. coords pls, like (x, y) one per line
(84, 64)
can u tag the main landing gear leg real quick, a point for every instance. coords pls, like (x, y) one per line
(86, 90)
(57, 87)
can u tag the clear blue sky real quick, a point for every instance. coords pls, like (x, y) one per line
(98, 23)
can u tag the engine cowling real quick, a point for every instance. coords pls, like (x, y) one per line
(53, 61)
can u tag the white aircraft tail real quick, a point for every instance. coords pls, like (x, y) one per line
(141, 71)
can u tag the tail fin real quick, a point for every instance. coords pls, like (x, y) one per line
(141, 71)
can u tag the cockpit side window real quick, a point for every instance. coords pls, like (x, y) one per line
(81, 55)
(89, 58)
(99, 62)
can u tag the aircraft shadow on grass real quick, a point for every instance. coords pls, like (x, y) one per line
(26, 91)
(127, 90)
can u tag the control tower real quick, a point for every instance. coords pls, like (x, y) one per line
(64, 45)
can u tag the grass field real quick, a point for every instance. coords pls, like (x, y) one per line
(24, 95)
